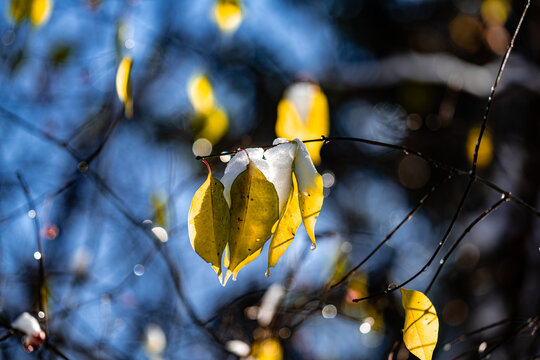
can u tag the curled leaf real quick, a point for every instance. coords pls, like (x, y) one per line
(310, 189)
(254, 211)
(123, 85)
(286, 229)
(208, 222)
(421, 327)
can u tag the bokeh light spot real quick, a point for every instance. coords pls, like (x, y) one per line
(202, 147)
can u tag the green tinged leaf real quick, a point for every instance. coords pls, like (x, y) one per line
(208, 222)
(254, 211)
(286, 229)
(421, 327)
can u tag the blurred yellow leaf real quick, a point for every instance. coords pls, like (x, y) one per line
(286, 228)
(208, 222)
(310, 189)
(267, 349)
(159, 205)
(40, 11)
(495, 12)
(20, 9)
(485, 153)
(228, 15)
(303, 113)
(254, 211)
(421, 327)
(201, 94)
(123, 85)
(215, 126)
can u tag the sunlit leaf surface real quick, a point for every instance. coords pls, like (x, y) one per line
(310, 189)
(254, 211)
(208, 222)
(421, 327)
(286, 229)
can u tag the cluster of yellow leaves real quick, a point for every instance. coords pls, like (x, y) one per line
(303, 113)
(239, 218)
(123, 85)
(37, 11)
(421, 327)
(211, 121)
(228, 15)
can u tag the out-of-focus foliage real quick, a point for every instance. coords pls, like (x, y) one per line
(208, 222)
(485, 153)
(123, 85)
(210, 121)
(37, 11)
(228, 15)
(303, 114)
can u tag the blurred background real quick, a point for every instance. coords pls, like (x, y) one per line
(104, 105)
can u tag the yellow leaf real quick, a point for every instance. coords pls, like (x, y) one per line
(303, 113)
(40, 11)
(310, 189)
(421, 327)
(20, 9)
(254, 211)
(215, 126)
(123, 85)
(201, 94)
(267, 349)
(159, 205)
(228, 15)
(485, 153)
(208, 222)
(286, 229)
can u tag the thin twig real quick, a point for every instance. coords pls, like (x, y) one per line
(37, 231)
(394, 230)
(480, 217)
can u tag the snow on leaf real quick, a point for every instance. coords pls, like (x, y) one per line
(208, 222)
(310, 189)
(123, 85)
(254, 211)
(421, 327)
